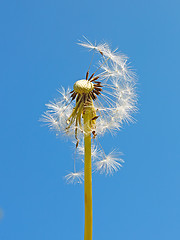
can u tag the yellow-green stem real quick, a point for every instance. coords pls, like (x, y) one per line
(87, 177)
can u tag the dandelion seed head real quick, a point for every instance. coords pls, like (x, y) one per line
(109, 96)
(111, 92)
(83, 86)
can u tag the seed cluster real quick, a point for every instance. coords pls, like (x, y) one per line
(92, 108)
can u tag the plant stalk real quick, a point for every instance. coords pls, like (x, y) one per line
(87, 177)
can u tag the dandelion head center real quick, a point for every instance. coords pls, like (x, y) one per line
(83, 86)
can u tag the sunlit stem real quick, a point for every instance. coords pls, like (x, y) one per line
(87, 174)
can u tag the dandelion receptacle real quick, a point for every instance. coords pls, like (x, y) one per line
(100, 102)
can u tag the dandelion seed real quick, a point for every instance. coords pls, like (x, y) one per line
(109, 164)
(75, 177)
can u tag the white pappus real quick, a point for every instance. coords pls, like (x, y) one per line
(112, 89)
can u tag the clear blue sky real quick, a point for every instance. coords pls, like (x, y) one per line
(38, 54)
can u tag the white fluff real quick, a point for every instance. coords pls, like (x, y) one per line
(115, 105)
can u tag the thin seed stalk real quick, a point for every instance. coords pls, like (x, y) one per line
(87, 175)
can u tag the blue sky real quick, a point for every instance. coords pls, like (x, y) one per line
(39, 54)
